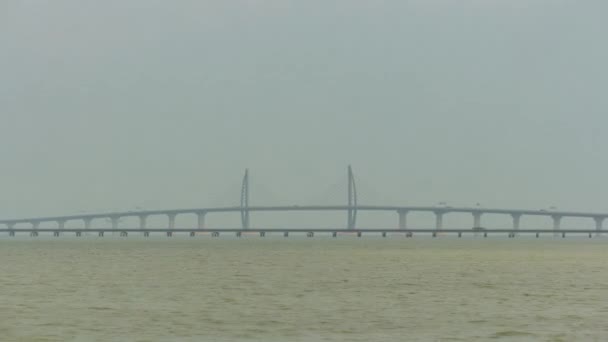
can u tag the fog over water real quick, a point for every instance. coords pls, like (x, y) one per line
(119, 105)
(127, 105)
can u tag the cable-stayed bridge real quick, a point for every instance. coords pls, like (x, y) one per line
(351, 209)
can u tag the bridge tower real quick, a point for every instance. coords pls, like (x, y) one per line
(352, 200)
(245, 201)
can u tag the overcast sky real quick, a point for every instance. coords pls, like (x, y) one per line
(113, 105)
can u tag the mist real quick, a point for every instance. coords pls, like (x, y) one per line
(118, 105)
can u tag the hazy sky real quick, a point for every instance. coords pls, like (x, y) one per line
(113, 105)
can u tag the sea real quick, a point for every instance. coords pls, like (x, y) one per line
(303, 289)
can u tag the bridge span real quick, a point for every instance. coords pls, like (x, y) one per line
(400, 211)
(350, 209)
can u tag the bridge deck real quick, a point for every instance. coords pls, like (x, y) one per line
(298, 230)
(441, 209)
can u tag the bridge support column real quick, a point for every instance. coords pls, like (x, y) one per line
(598, 225)
(35, 225)
(143, 221)
(352, 200)
(477, 219)
(439, 220)
(516, 220)
(201, 219)
(115, 220)
(245, 201)
(402, 219)
(171, 221)
(61, 226)
(557, 219)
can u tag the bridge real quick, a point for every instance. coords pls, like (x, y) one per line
(351, 209)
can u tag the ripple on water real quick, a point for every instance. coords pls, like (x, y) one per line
(302, 290)
(512, 333)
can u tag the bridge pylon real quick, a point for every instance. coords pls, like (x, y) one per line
(245, 201)
(352, 200)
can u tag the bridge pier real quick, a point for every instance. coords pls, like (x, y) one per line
(115, 220)
(352, 200)
(402, 219)
(201, 219)
(60, 226)
(516, 220)
(557, 219)
(477, 219)
(35, 226)
(285, 234)
(171, 221)
(143, 221)
(598, 225)
(100, 233)
(439, 220)
(146, 234)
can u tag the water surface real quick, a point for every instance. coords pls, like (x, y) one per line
(298, 289)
